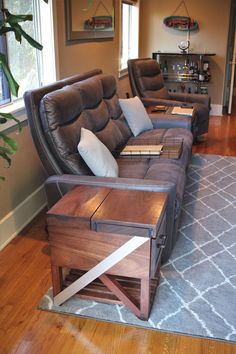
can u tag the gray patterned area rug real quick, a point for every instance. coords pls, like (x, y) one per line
(197, 291)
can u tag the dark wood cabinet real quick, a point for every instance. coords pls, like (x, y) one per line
(112, 241)
(188, 72)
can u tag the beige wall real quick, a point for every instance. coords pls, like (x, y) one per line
(24, 176)
(80, 57)
(26, 173)
(213, 19)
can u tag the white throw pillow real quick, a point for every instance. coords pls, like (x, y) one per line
(136, 115)
(96, 155)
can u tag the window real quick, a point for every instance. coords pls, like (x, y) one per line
(27, 63)
(130, 30)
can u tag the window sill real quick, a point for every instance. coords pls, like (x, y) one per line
(123, 73)
(16, 108)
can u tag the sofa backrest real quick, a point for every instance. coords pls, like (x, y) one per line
(146, 79)
(32, 99)
(91, 103)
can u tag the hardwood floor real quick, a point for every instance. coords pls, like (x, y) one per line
(25, 276)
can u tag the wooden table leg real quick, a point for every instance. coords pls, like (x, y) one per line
(56, 279)
(145, 298)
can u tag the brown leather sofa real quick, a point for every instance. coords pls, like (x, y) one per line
(147, 83)
(56, 114)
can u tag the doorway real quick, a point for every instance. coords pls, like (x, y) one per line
(229, 99)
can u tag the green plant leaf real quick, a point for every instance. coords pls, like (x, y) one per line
(13, 21)
(2, 178)
(9, 116)
(14, 87)
(6, 150)
(4, 30)
(6, 158)
(9, 141)
(29, 39)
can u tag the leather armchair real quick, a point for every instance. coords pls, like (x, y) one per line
(147, 83)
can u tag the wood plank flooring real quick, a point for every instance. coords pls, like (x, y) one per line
(25, 276)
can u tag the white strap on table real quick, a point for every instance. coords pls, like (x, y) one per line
(100, 268)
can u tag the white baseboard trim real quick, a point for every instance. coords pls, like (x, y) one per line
(216, 110)
(17, 219)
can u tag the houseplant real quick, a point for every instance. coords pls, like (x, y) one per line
(12, 23)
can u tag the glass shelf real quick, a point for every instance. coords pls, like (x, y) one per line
(187, 68)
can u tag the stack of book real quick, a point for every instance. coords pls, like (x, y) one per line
(185, 111)
(142, 150)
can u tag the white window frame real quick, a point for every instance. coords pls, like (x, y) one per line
(129, 34)
(45, 21)
(45, 58)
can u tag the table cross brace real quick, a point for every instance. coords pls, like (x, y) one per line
(102, 267)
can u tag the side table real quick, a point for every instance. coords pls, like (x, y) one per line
(111, 241)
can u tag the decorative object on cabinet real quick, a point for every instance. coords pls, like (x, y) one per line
(95, 22)
(183, 46)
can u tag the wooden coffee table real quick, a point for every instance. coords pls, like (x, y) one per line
(111, 241)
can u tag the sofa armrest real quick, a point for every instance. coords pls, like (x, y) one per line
(58, 185)
(176, 98)
(191, 98)
(157, 101)
(167, 121)
(160, 101)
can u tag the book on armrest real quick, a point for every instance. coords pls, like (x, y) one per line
(137, 150)
(158, 108)
(186, 111)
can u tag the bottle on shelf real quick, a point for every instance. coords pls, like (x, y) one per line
(186, 69)
(191, 70)
(165, 70)
(206, 71)
(196, 89)
(208, 74)
(195, 72)
(201, 76)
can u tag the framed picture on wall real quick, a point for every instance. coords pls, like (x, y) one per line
(89, 20)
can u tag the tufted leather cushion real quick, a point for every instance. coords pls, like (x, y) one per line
(62, 118)
(81, 104)
(112, 101)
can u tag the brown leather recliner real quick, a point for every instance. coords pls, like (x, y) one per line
(147, 83)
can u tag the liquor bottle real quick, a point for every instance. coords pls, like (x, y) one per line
(206, 70)
(195, 71)
(208, 74)
(201, 75)
(165, 70)
(191, 71)
(186, 68)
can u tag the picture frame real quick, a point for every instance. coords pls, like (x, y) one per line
(89, 20)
